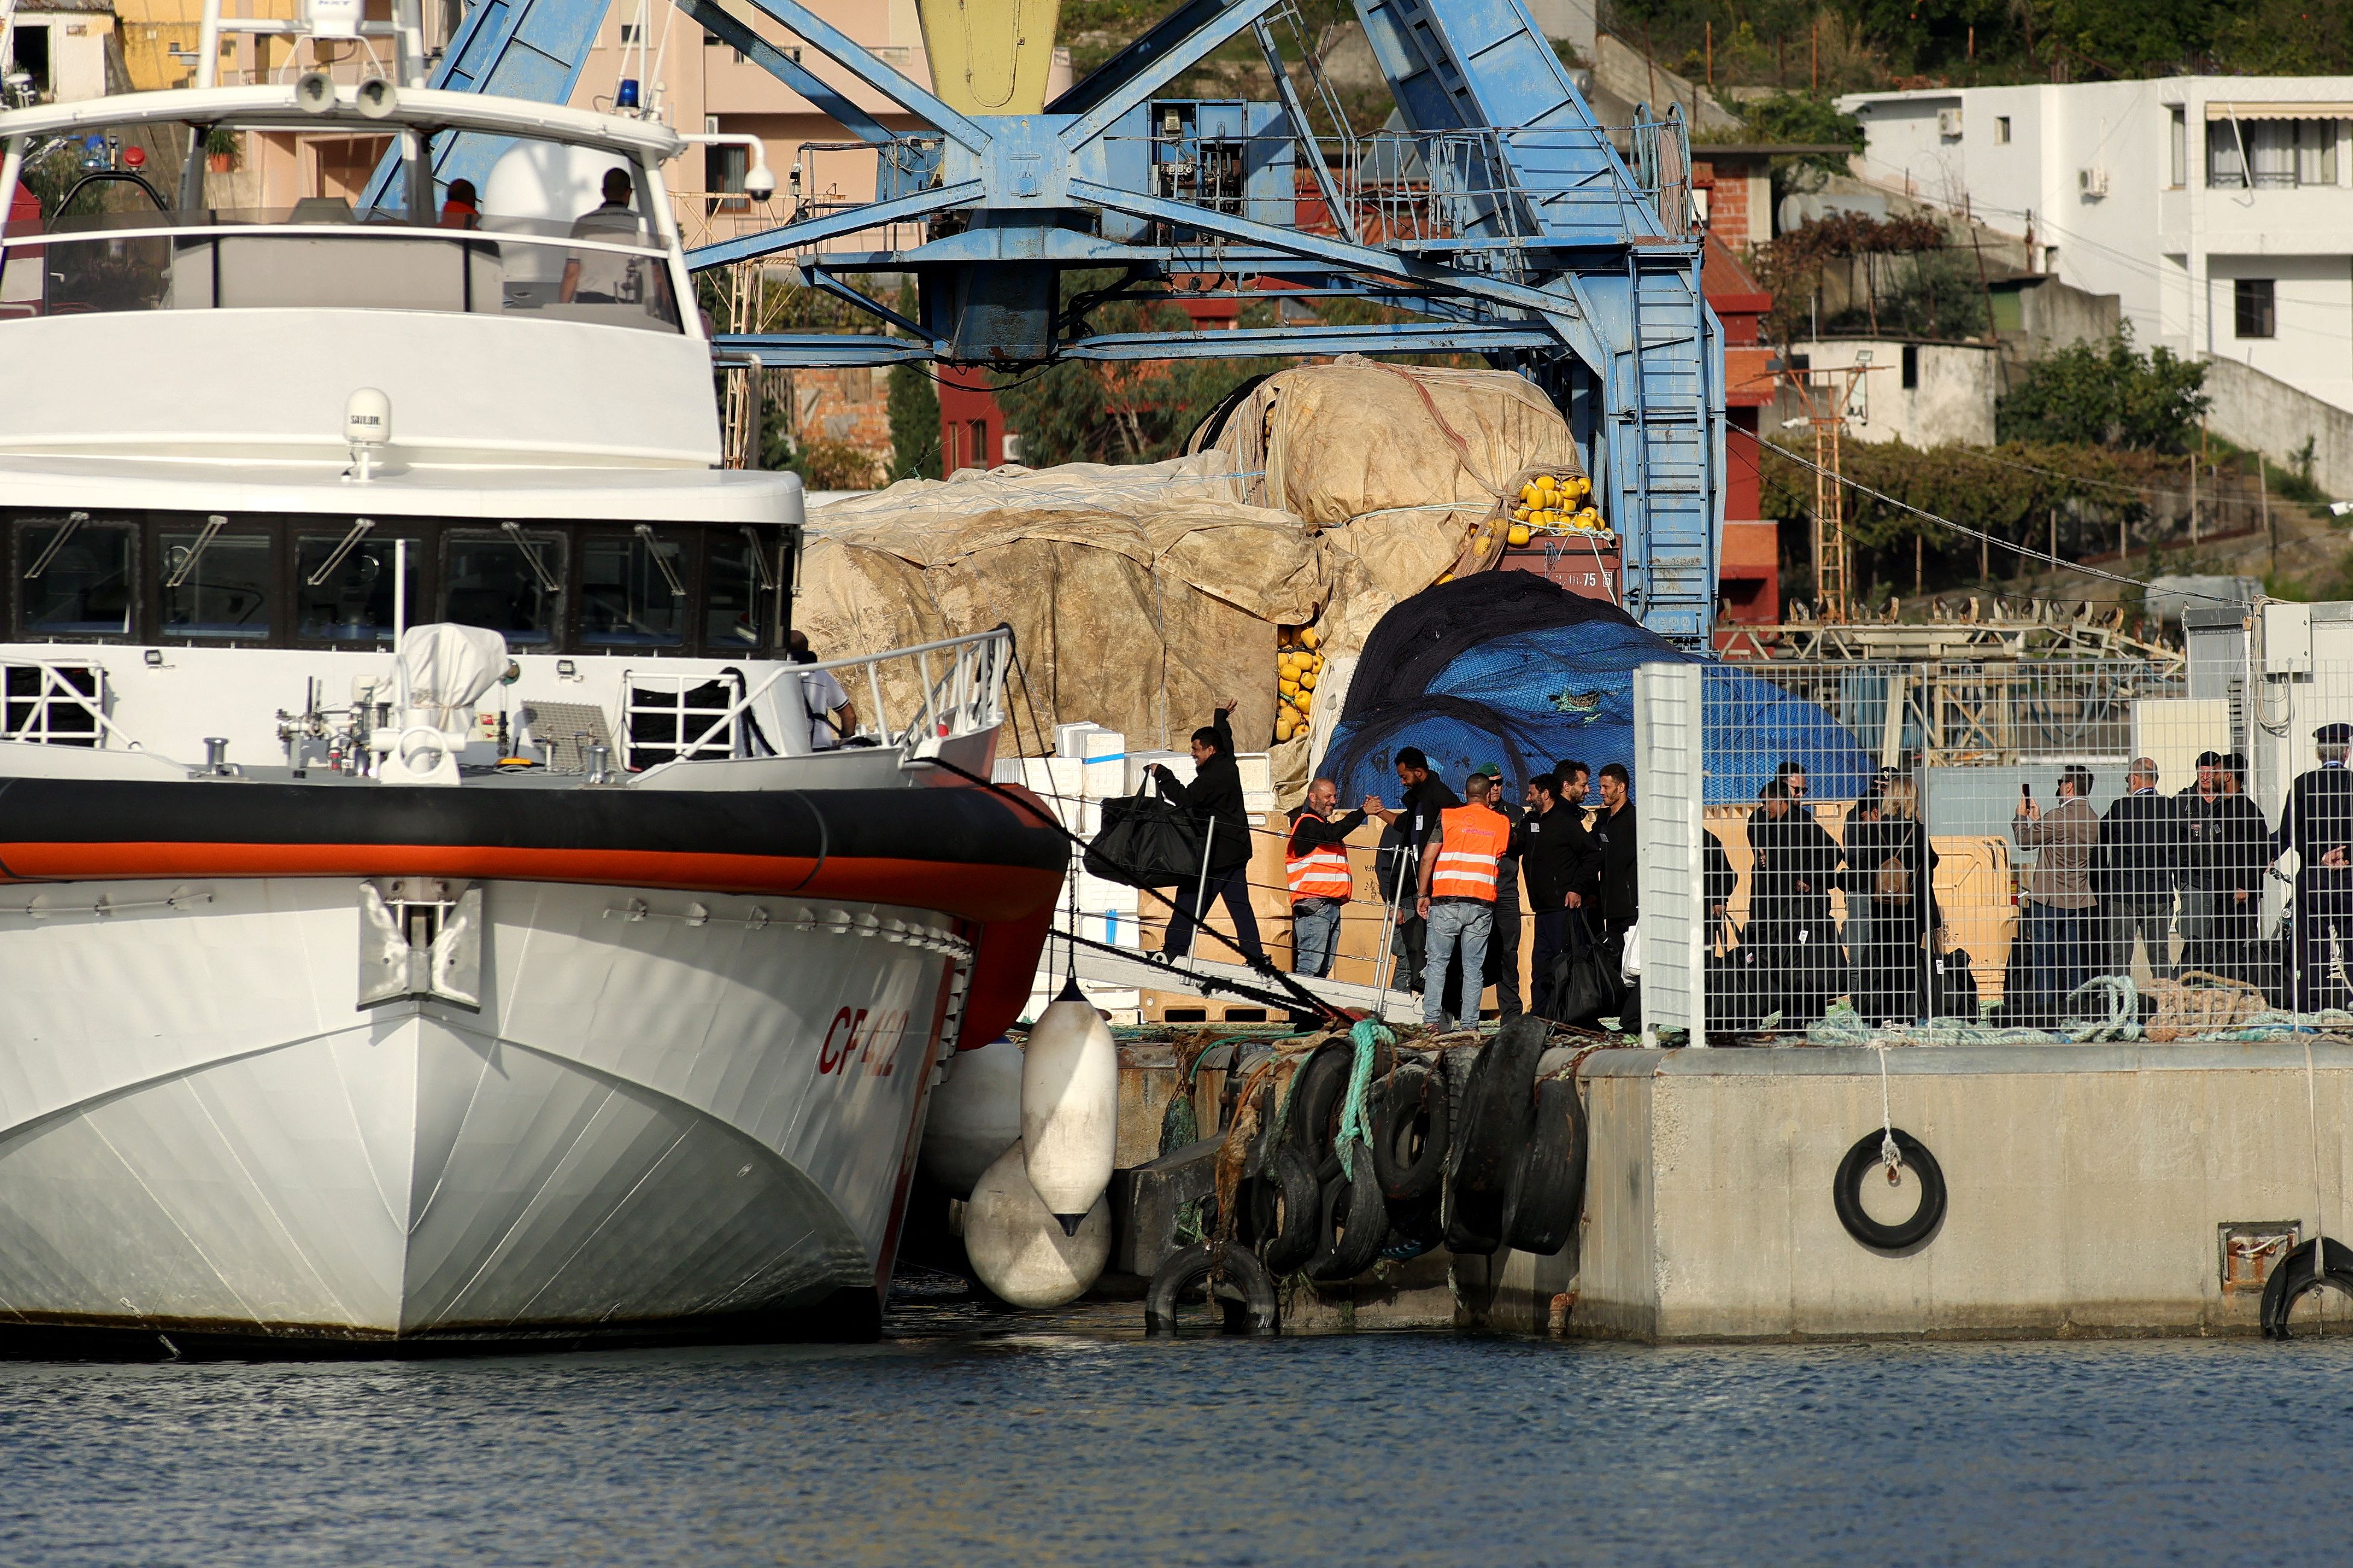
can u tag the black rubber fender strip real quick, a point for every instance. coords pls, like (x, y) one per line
(1548, 1188)
(1412, 1105)
(1354, 1223)
(2294, 1277)
(1861, 1162)
(1245, 1293)
(1286, 1205)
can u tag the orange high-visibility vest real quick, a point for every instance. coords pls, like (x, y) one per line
(1322, 873)
(1470, 839)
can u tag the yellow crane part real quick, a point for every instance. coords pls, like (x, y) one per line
(991, 57)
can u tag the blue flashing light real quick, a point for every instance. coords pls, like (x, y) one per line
(626, 97)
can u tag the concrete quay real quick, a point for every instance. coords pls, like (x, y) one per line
(2093, 1190)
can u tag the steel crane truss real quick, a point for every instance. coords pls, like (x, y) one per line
(1503, 217)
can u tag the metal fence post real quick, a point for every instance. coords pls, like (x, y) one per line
(1670, 797)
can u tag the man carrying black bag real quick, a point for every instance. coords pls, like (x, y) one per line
(1215, 800)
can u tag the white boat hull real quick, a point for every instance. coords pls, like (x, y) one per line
(674, 1122)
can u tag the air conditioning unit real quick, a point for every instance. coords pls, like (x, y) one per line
(1949, 124)
(2093, 182)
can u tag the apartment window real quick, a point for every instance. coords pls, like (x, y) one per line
(2001, 129)
(2257, 307)
(632, 34)
(980, 444)
(724, 170)
(2179, 174)
(2270, 154)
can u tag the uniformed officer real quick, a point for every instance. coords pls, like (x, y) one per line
(2317, 823)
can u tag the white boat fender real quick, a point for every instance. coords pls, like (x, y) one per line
(1017, 1245)
(1630, 961)
(1070, 1107)
(976, 1116)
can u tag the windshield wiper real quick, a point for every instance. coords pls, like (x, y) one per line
(547, 584)
(213, 525)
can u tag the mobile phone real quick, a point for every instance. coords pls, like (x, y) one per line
(2025, 790)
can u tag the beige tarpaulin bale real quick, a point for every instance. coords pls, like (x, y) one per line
(1139, 596)
(1397, 463)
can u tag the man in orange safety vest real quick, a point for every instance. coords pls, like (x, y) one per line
(1315, 863)
(1458, 897)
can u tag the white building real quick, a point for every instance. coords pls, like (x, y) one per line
(2219, 209)
(54, 51)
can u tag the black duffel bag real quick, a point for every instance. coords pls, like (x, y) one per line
(1145, 842)
(1585, 979)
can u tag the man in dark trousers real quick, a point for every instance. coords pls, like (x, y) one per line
(1617, 882)
(1504, 939)
(1215, 800)
(1553, 847)
(2317, 823)
(2198, 820)
(2141, 854)
(1422, 794)
(2244, 849)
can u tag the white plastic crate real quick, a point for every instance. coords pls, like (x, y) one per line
(1139, 764)
(1098, 895)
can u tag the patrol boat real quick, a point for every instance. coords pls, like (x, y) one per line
(428, 912)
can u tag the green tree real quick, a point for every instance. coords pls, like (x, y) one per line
(915, 408)
(1119, 411)
(2106, 395)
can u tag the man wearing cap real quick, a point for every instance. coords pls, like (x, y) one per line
(2139, 851)
(2317, 823)
(2197, 815)
(2246, 851)
(1503, 942)
(1423, 797)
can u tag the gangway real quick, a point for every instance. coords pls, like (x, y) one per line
(1150, 971)
(1510, 226)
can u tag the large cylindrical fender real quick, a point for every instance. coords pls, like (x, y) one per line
(1017, 1246)
(976, 1116)
(1070, 1106)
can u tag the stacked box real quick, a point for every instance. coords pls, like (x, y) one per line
(1139, 766)
(1102, 756)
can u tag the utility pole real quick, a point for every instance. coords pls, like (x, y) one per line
(2263, 488)
(1825, 404)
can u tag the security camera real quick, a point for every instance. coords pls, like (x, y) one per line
(377, 97)
(315, 92)
(760, 184)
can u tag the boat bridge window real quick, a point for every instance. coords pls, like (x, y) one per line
(633, 593)
(343, 586)
(508, 581)
(216, 584)
(718, 590)
(73, 577)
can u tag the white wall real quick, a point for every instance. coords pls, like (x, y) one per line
(77, 51)
(2168, 252)
(1953, 401)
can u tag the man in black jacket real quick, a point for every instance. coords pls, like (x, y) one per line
(1553, 848)
(2140, 850)
(1422, 795)
(2198, 818)
(1615, 877)
(1215, 800)
(2317, 822)
(2243, 852)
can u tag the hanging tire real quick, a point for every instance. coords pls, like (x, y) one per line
(1414, 1229)
(2294, 1277)
(1410, 1128)
(1491, 1131)
(1861, 1164)
(1548, 1188)
(1315, 1098)
(1356, 1222)
(1287, 1211)
(1245, 1297)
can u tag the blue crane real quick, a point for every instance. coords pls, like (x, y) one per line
(1496, 214)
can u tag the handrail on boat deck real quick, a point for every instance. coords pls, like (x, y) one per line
(55, 685)
(974, 681)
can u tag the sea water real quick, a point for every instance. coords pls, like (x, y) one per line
(968, 1441)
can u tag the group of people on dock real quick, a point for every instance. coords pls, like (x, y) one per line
(1467, 877)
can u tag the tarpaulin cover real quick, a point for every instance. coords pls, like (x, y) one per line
(1507, 668)
(1140, 597)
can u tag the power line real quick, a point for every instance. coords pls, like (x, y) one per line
(2026, 551)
